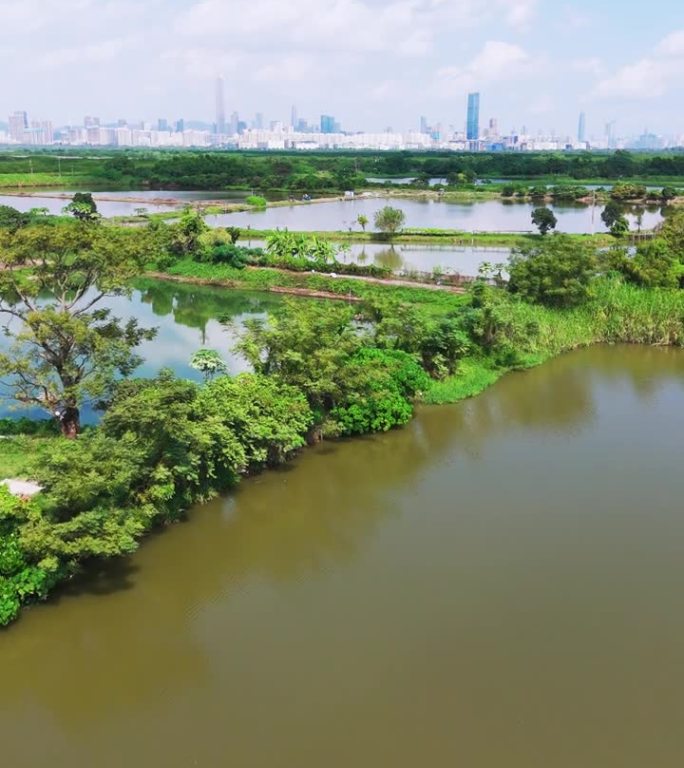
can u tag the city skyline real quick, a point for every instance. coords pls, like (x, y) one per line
(324, 133)
(372, 63)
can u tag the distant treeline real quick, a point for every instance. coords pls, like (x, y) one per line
(297, 171)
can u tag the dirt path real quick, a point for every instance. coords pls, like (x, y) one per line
(311, 292)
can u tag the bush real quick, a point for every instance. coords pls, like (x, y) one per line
(653, 265)
(557, 272)
(256, 201)
(389, 220)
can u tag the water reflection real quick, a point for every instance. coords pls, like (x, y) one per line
(477, 585)
(186, 317)
(484, 216)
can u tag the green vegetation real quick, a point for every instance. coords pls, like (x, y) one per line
(256, 201)
(389, 220)
(544, 219)
(66, 349)
(320, 369)
(83, 207)
(557, 273)
(301, 173)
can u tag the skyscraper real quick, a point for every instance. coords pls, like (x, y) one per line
(294, 118)
(582, 128)
(328, 124)
(18, 124)
(473, 124)
(220, 106)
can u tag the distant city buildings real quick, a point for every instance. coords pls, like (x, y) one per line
(18, 124)
(328, 124)
(582, 128)
(296, 133)
(473, 117)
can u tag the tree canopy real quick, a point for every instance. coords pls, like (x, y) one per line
(556, 272)
(66, 348)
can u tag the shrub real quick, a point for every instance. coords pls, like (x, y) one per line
(557, 272)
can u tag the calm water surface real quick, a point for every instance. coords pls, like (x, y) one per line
(499, 584)
(114, 207)
(402, 257)
(187, 318)
(486, 216)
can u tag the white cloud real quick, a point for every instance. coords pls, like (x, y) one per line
(400, 27)
(519, 13)
(591, 65)
(94, 53)
(496, 61)
(672, 45)
(651, 76)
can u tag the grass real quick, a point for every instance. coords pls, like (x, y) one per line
(20, 454)
(265, 279)
(474, 376)
(426, 236)
(21, 181)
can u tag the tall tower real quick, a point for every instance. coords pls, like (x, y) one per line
(294, 118)
(18, 125)
(582, 128)
(473, 124)
(220, 106)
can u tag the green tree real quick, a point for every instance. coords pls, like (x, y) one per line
(185, 235)
(672, 231)
(83, 207)
(11, 218)
(557, 272)
(67, 348)
(614, 218)
(652, 266)
(208, 362)
(362, 221)
(269, 418)
(234, 233)
(306, 346)
(350, 385)
(389, 220)
(544, 219)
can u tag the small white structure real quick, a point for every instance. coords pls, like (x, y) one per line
(22, 488)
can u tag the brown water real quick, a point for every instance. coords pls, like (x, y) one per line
(501, 584)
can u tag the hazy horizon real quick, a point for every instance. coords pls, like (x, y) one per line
(370, 63)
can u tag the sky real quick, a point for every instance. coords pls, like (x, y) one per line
(373, 64)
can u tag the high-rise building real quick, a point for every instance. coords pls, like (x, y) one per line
(180, 125)
(582, 128)
(424, 127)
(294, 118)
(162, 124)
(328, 124)
(18, 124)
(234, 124)
(473, 123)
(220, 106)
(493, 126)
(41, 132)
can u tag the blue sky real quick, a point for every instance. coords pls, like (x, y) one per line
(372, 63)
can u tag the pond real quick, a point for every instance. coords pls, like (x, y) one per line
(485, 216)
(119, 203)
(498, 584)
(401, 257)
(187, 317)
